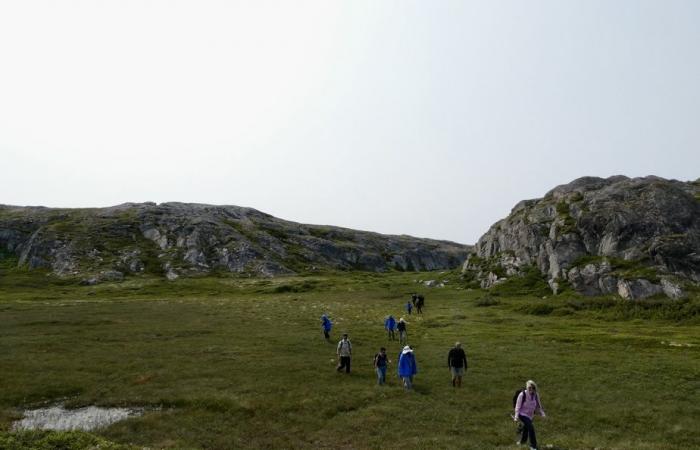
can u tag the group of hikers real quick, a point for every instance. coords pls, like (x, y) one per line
(417, 301)
(526, 402)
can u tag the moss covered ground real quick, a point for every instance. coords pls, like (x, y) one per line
(241, 363)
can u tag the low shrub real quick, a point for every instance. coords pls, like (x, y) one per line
(487, 301)
(531, 282)
(537, 309)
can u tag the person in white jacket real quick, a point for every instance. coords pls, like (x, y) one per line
(344, 353)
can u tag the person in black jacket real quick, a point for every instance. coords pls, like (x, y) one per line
(403, 334)
(457, 362)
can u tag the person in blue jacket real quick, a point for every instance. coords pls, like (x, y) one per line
(326, 325)
(409, 307)
(407, 367)
(390, 326)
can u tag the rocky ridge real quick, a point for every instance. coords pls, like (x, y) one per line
(634, 237)
(175, 239)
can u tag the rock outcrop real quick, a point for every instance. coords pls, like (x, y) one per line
(176, 239)
(633, 237)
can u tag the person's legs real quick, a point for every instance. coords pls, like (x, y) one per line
(381, 375)
(533, 438)
(528, 431)
(459, 381)
(347, 364)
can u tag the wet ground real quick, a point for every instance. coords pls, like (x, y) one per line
(86, 419)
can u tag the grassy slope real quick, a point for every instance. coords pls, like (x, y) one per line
(224, 363)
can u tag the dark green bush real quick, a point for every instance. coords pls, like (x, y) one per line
(531, 282)
(487, 301)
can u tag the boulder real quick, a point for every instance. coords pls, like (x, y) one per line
(625, 226)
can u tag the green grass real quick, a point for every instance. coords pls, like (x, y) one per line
(241, 363)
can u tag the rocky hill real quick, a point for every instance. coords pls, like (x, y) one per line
(634, 237)
(174, 239)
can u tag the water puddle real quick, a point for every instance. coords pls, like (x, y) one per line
(85, 419)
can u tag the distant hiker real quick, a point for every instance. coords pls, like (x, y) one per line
(420, 301)
(326, 326)
(390, 326)
(344, 352)
(403, 334)
(409, 307)
(414, 298)
(457, 362)
(407, 367)
(380, 363)
(527, 404)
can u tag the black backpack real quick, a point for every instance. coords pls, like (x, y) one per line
(515, 396)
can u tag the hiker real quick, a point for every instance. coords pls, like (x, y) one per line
(344, 352)
(414, 298)
(380, 363)
(407, 367)
(390, 326)
(409, 307)
(326, 325)
(419, 304)
(403, 334)
(457, 362)
(526, 405)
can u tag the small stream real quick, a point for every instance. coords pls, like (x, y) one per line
(85, 419)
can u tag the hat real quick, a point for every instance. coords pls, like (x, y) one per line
(401, 319)
(406, 349)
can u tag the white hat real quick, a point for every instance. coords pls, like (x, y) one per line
(406, 349)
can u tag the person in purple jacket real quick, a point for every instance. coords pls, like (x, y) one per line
(527, 404)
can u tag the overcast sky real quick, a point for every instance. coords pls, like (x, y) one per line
(430, 118)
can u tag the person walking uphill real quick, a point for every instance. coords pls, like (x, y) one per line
(457, 362)
(380, 363)
(390, 326)
(407, 367)
(403, 334)
(344, 352)
(326, 326)
(526, 405)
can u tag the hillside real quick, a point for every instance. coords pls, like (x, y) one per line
(635, 237)
(176, 239)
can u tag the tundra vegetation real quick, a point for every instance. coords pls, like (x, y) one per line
(240, 362)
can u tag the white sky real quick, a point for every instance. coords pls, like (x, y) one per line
(428, 118)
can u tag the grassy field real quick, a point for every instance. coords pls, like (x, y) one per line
(241, 363)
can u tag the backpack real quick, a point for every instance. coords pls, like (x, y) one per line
(515, 396)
